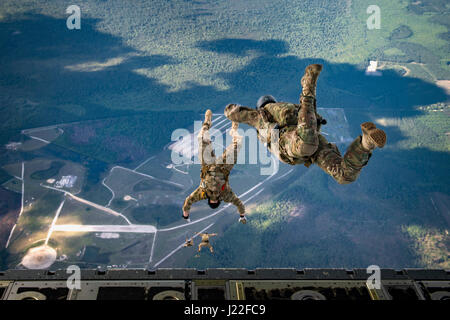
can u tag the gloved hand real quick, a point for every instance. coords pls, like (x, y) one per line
(185, 215)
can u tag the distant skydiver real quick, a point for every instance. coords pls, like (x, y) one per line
(188, 243)
(205, 241)
(214, 184)
(299, 139)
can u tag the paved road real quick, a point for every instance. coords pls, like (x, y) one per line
(134, 228)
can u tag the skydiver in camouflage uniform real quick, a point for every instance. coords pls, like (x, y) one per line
(299, 138)
(188, 243)
(214, 185)
(205, 241)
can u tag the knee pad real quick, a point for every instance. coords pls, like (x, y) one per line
(262, 101)
(309, 141)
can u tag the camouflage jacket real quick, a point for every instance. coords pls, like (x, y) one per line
(215, 186)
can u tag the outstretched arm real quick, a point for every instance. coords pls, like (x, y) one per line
(195, 196)
(231, 197)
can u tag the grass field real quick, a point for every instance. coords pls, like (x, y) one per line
(52, 171)
(89, 250)
(32, 227)
(74, 212)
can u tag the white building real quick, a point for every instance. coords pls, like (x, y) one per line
(372, 69)
(13, 146)
(66, 181)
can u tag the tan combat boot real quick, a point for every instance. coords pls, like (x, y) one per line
(208, 118)
(309, 80)
(372, 136)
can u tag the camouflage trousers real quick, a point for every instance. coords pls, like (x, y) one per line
(207, 155)
(205, 244)
(297, 144)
